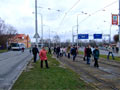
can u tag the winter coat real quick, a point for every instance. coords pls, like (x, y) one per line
(85, 53)
(74, 51)
(88, 52)
(58, 49)
(96, 53)
(68, 49)
(35, 51)
(43, 55)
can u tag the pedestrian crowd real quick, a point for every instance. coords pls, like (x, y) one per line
(70, 51)
(63, 51)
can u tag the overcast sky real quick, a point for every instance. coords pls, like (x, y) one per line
(19, 14)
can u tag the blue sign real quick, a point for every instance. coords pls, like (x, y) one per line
(97, 36)
(83, 36)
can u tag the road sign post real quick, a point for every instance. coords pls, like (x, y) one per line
(97, 36)
(83, 36)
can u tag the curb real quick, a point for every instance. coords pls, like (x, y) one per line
(24, 66)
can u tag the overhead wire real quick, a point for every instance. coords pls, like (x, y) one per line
(68, 12)
(98, 11)
(104, 7)
(50, 9)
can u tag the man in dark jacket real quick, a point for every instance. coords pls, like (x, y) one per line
(88, 54)
(58, 51)
(74, 52)
(85, 54)
(35, 51)
(49, 50)
(96, 56)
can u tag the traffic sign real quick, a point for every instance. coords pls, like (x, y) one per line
(36, 35)
(83, 36)
(97, 36)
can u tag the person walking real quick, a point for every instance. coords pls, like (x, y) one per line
(74, 52)
(110, 52)
(54, 51)
(43, 57)
(49, 50)
(88, 53)
(96, 54)
(58, 51)
(35, 51)
(85, 53)
(64, 51)
(68, 51)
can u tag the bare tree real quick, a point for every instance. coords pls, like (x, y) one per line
(56, 39)
(6, 31)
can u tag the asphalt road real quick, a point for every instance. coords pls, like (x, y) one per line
(12, 64)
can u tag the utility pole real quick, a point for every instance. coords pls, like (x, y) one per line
(36, 26)
(49, 38)
(72, 37)
(73, 34)
(42, 28)
(119, 27)
(77, 30)
(110, 34)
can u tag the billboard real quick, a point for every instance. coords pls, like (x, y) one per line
(114, 19)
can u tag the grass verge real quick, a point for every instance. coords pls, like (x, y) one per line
(54, 78)
(103, 56)
(2, 51)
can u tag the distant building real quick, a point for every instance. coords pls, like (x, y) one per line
(21, 38)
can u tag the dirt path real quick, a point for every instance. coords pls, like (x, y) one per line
(106, 77)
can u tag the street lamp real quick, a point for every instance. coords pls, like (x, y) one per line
(72, 34)
(36, 24)
(41, 27)
(109, 32)
(78, 24)
(49, 35)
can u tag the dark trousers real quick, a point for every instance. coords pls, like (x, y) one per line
(58, 54)
(45, 63)
(74, 56)
(68, 55)
(88, 60)
(96, 62)
(35, 57)
(84, 58)
(49, 52)
(109, 55)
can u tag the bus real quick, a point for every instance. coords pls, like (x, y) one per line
(17, 46)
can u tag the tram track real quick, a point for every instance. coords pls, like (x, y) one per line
(105, 64)
(111, 63)
(77, 67)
